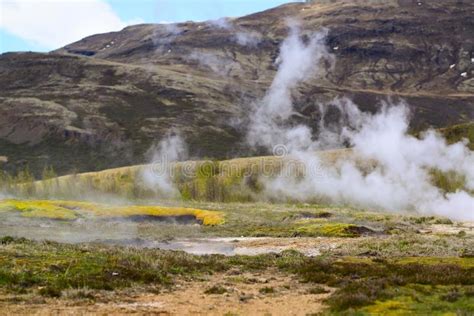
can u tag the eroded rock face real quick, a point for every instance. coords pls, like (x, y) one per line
(102, 101)
(29, 120)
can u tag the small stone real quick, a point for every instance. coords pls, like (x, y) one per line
(245, 297)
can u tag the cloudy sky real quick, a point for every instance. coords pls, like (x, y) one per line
(43, 25)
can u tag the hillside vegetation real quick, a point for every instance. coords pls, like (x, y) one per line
(206, 180)
(235, 180)
(103, 101)
(460, 132)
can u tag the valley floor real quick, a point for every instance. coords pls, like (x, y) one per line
(251, 259)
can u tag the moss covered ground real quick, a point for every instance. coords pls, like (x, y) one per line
(71, 210)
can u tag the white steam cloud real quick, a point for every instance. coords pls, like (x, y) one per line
(241, 36)
(223, 23)
(220, 65)
(401, 178)
(397, 169)
(164, 36)
(158, 175)
(297, 62)
(251, 39)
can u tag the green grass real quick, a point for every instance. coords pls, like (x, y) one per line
(416, 299)
(250, 220)
(459, 132)
(449, 182)
(224, 219)
(329, 230)
(362, 285)
(52, 267)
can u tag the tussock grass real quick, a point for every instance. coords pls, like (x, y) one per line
(329, 230)
(365, 285)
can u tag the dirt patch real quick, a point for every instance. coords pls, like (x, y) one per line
(308, 246)
(464, 228)
(268, 292)
(250, 246)
(362, 231)
(310, 215)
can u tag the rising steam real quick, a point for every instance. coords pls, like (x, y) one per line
(297, 62)
(398, 171)
(220, 65)
(241, 36)
(158, 175)
(250, 39)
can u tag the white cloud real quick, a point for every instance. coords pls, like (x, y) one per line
(55, 23)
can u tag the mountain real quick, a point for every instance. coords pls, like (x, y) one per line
(103, 101)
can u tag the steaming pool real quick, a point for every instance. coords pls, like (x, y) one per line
(182, 235)
(228, 246)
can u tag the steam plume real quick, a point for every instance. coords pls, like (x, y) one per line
(400, 176)
(223, 23)
(165, 35)
(220, 65)
(251, 39)
(158, 176)
(297, 62)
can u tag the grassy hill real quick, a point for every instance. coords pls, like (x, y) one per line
(235, 180)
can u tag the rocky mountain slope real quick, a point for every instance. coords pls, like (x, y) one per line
(103, 101)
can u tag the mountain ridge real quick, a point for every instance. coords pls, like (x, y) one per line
(99, 107)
